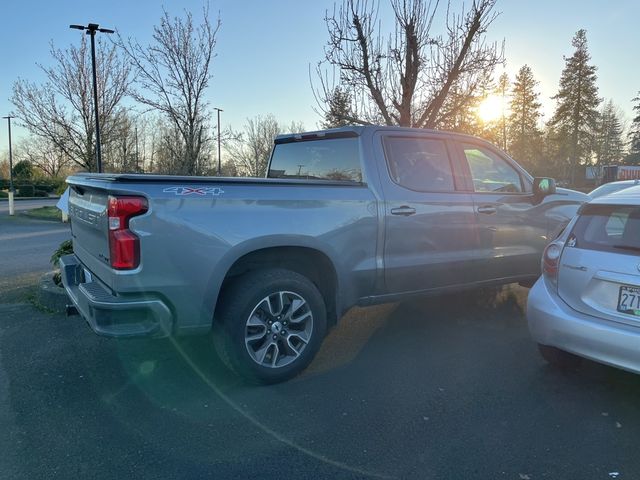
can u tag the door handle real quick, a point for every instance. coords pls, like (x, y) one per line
(404, 210)
(487, 209)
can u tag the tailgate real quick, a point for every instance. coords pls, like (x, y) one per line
(89, 225)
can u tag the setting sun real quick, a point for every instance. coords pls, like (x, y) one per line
(490, 108)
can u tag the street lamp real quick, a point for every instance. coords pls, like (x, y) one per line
(11, 189)
(219, 159)
(91, 29)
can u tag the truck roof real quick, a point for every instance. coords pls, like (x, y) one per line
(358, 130)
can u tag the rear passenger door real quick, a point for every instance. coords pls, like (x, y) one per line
(512, 227)
(430, 227)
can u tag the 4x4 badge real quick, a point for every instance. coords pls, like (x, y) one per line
(182, 191)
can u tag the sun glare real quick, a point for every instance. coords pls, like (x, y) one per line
(490, 109)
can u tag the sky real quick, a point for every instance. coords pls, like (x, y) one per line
(266, 48)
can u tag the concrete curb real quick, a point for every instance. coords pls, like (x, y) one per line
(50, 295)
(20, 199)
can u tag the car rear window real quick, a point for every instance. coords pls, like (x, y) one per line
(614, 228)
(336, 159)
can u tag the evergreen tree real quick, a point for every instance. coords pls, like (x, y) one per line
(522, 125)
(494, 131)
(634, 135)
(503, 88)
(577, 100)
(609, 145)
(339, 109)
(554, 154)
(465, 119)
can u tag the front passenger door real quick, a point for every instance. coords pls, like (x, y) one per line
(512, 227)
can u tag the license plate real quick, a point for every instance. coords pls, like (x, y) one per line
(629, 300)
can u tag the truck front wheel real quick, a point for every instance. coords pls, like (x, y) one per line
(269, 325)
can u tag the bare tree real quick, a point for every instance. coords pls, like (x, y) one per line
(412, 77)
(168, 155)
(4, 167)
(173, 73)
(123, 153)
(140, 141)
(250, 149)
(43, 154)
(61, 110)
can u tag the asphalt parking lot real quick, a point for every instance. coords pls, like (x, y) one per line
(441, 388)
(431, 389)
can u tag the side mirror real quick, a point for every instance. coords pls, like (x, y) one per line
(543, 186)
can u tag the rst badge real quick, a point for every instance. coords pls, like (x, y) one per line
(183, 191)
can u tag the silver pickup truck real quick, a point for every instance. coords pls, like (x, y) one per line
(350, 216)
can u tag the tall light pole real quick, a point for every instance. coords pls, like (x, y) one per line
(11, 189)
(91, 29)
(219, 158)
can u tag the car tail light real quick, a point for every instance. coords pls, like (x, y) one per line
(550, 261)
(124, 245)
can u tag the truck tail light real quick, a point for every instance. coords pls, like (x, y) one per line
(550, 261)
(124, 245)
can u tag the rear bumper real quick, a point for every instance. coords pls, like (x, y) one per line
(112, 315)
(552, 322)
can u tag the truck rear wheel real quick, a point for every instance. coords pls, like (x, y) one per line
(269, 325)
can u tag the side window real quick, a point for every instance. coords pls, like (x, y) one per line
(419, 164)
(491, 173)
(616, 223)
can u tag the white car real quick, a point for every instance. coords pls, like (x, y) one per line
(587, 301)
(612, 187)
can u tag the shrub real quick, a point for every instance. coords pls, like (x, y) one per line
(44, 187)
(65, 248)
(23, 170)
(26, 191)
(40, 193)
(60, 188)
(49, 184)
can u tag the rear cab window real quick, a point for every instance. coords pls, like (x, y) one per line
(609, 228)
(335, 159)
(419, 164)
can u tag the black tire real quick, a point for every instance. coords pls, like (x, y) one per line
(559, 358)
(244, 299)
